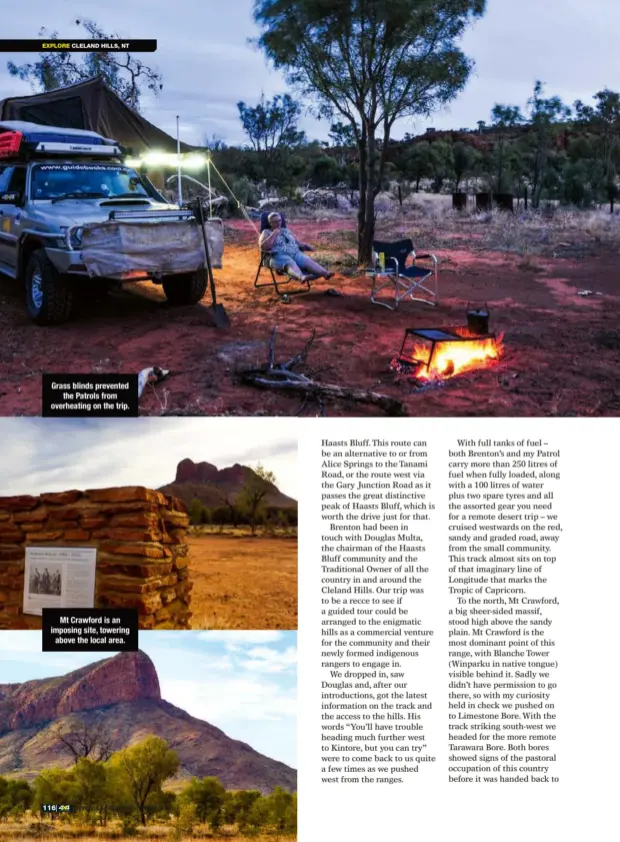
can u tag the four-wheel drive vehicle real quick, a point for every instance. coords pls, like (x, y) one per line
(74, 217)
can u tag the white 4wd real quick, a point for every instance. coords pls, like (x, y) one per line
(52, 192)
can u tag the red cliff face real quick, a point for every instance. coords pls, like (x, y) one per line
(189, 471)
(127, 677)
(121, 695)
(213, 487)
(204, 472)
(235, 476)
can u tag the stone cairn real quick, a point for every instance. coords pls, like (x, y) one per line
(141, 551)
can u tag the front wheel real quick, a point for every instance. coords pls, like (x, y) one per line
(49, 295)
(187, 288)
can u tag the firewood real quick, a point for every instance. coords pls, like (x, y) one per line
(281, 377)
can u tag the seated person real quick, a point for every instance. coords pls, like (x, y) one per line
(287, 255)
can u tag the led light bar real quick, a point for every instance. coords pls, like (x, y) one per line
(168, 160)
(153, 216)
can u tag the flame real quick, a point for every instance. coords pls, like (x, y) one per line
(452, 358)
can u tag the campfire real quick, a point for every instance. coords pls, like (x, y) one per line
(441, 352)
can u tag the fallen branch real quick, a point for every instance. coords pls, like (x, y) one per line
(301, 357)
(281, 377)
(325, 390)
(272, 349)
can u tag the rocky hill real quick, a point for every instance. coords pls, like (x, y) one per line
(121, 697)
(126, 678)
(210, 485)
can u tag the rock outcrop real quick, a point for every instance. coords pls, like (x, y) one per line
(211, 485)
(188, 471)
(127, 677)
(207, 474)
(120, 697)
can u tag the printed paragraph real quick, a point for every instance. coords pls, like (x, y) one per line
(377, 512)
(503, 535)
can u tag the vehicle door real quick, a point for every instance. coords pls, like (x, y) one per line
(5, 175)
(12, 196)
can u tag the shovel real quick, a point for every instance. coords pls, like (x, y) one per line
(217, 310)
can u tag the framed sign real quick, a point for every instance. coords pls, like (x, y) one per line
(59, 577)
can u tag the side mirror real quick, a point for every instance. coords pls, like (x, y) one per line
(10, 198)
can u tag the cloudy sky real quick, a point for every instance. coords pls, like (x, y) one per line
(242, 682)
(208, 65)
(39, 455)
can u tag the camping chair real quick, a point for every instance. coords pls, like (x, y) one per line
(264, 263)
(417, 282)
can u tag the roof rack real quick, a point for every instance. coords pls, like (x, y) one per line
(23, 146)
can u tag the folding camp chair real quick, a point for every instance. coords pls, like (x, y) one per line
(414, 281)
(264, 263)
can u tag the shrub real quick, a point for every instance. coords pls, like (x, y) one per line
(129, 826)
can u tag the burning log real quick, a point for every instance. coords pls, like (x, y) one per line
(281, 376)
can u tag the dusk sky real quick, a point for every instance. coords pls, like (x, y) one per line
(208, 65)
(39, 455)
(244, 682)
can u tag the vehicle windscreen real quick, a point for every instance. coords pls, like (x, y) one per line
(55, 181)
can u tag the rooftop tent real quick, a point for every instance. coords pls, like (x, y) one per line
(91, 106)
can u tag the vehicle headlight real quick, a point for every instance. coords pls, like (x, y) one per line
(63, 241)
(75, 237)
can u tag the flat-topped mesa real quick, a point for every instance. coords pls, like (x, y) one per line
(127, 677)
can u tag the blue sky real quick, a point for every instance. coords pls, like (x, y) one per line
(39, 455)
(244, 682)
(208, 65)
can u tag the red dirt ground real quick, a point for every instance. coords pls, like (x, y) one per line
(562, 352)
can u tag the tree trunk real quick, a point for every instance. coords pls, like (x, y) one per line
(400, 197)
(500, 174)
(535, 181)
(233, 514)
(363, 187)
(143, 816)
(367, 233)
